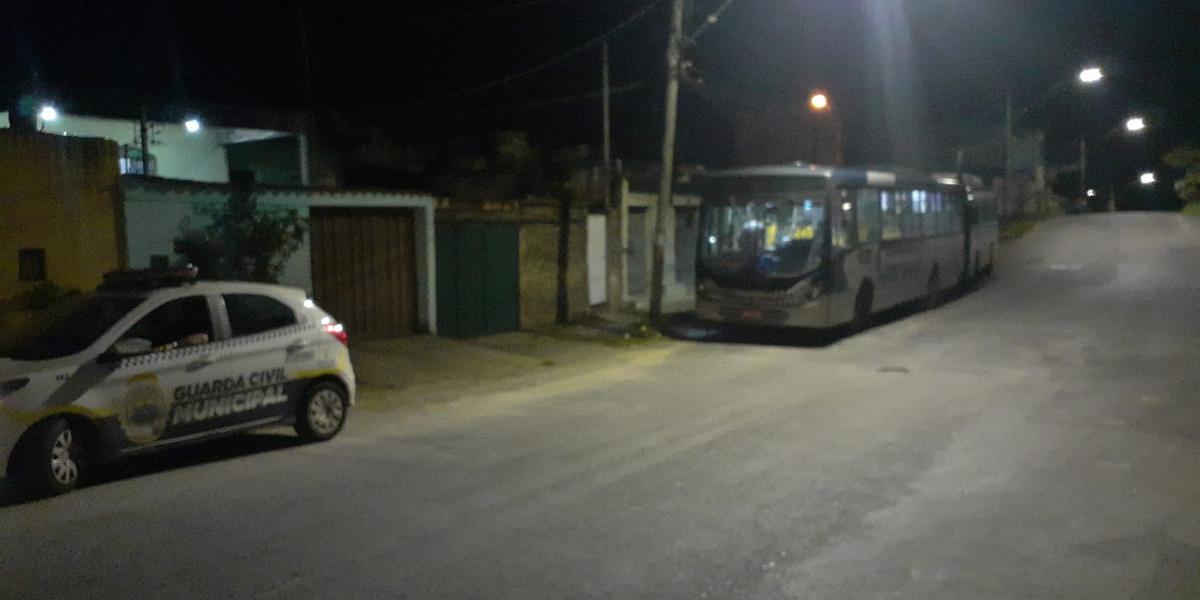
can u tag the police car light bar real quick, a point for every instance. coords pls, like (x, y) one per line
(148, 279)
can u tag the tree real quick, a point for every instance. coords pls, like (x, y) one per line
(242, 241)
(1186, 158)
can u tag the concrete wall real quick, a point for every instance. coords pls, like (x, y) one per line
(679, 291)
(156, 212)
(539, 273)
(60, 194)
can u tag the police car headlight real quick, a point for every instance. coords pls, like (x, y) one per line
(12, 385)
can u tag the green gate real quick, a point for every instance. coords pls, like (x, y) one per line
(478, 283)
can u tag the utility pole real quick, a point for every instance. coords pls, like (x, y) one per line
(604, 75)
(1008, 138)
(306, 54)
(674, 55)
(1083, 170)
(144, 131)
(615, 211)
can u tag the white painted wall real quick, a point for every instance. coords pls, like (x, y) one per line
(597, 259)
(180, 155)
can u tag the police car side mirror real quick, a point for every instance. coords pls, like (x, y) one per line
(130, 347)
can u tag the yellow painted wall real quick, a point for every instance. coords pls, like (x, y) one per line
(61, 194)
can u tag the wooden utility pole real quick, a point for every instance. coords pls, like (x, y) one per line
(306, 54)
(144, 132)
(604, 75)
(615, 216)
(1083, 171)
(674, 56)
(1008, 139)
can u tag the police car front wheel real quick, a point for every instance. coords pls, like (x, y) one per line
(52, 458)
(323, 411)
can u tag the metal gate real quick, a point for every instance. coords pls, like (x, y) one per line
(478, 283)
(364, 268)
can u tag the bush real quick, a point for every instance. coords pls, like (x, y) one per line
(243, 241)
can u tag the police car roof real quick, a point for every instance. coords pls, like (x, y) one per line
(210, 287)
(851, 176)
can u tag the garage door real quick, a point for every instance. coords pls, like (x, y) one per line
(478, 286)
(364, 269)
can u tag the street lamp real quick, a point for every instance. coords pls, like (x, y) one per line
(192, 125)
(1091, 75)
(48, 113)
(1091, 193)
(1135, 124)
(819, 102)
(1148, 178)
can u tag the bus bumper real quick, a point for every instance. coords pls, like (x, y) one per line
(813, 315)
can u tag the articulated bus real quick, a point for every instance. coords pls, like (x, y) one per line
(816, 247)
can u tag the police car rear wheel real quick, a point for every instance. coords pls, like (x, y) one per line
(323, 412)
(52, 461)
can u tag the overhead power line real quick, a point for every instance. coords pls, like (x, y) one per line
(485, 11)
(710, 21)
(557, 59)
(551, 102)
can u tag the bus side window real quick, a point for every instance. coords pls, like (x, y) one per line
(870, 225)
(890, 218)
(942, 215)
(910, 223)
(845, 231)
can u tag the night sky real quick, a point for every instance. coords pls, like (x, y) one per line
(912, 79)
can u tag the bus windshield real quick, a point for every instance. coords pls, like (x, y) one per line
(770, 237)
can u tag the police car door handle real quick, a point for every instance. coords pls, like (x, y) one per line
(297, 346)
(201, 362)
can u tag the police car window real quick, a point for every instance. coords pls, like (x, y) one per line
(180, 322)
(251, 313)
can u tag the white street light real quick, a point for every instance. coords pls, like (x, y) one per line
(1091, 193)
(1148, 178)
(1135, 124)
(192, 125)
(1091, 75)
(819, 102)
(48, 113)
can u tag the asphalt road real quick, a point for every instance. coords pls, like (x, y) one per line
(1037, 438)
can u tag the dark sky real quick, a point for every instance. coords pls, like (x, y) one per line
(911, 78)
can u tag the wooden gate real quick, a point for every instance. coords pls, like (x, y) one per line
(364, 268)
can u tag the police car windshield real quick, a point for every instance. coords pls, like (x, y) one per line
(65, 327)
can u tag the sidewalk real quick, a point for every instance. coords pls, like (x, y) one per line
(417, 370)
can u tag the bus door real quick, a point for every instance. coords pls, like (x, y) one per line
(901, 255)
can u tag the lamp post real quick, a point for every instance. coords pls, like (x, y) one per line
(819, 102)
(1088, 76)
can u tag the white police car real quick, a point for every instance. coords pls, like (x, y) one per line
(152, 360)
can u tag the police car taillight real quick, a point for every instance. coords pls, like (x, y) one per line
(338, 331)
